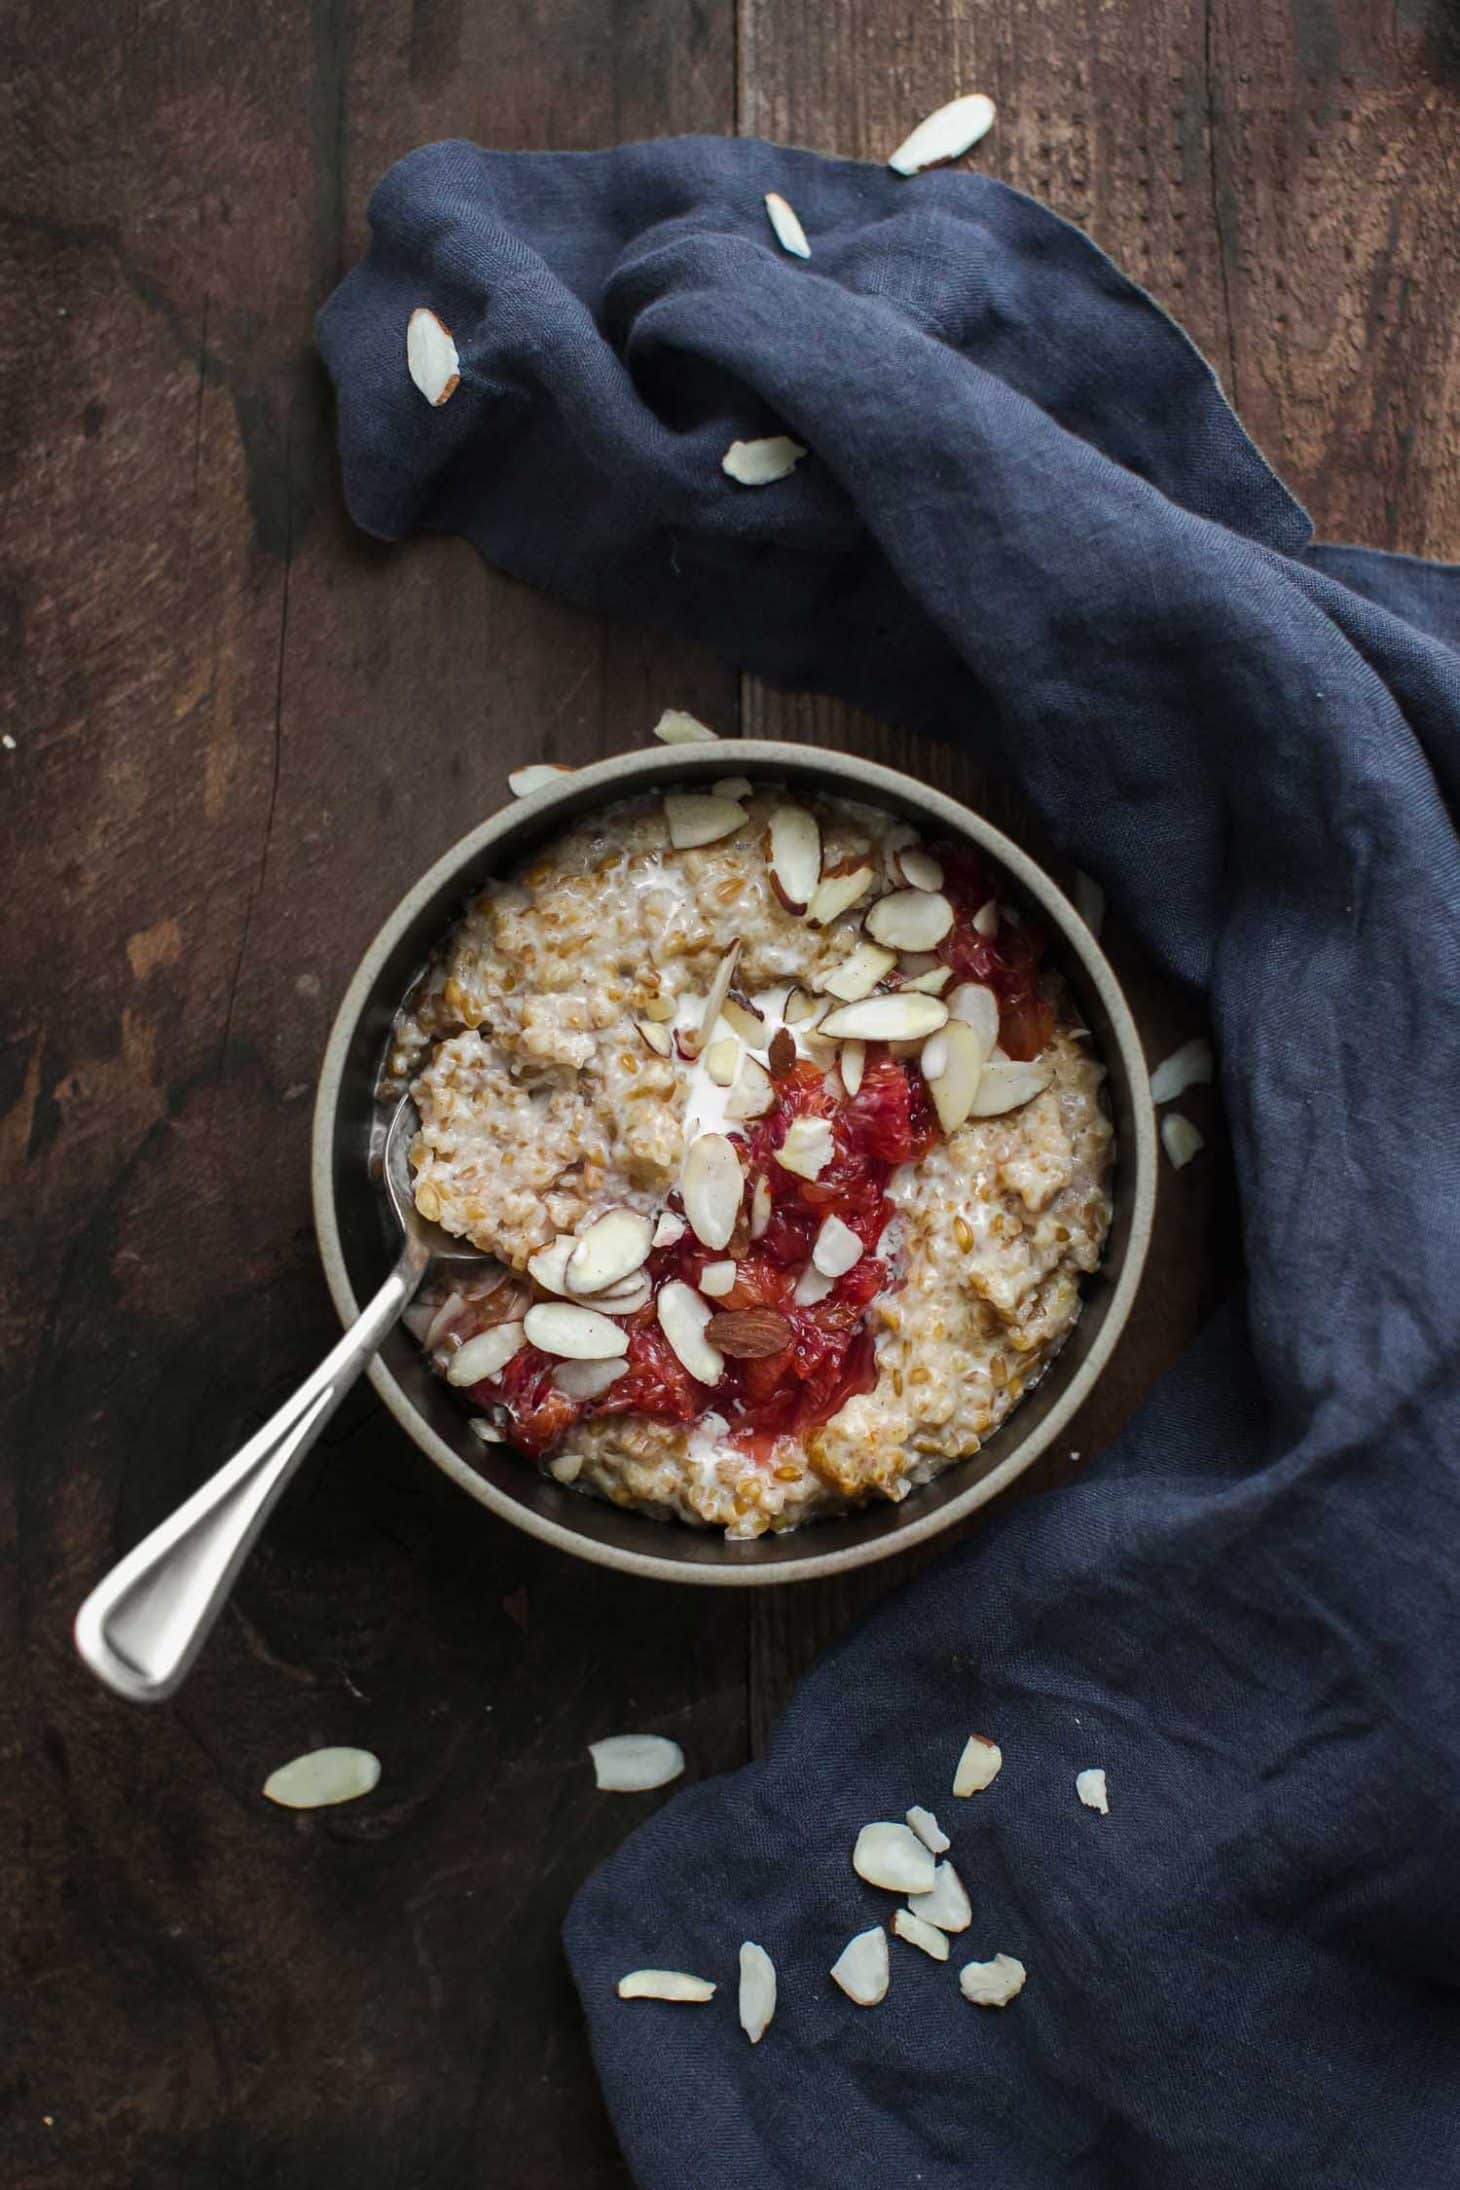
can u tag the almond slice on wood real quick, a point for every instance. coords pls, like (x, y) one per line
(920, 871)
(718, 1278)
(683, 1317)
(733, 787)
(946, 134)
(946, 1902)
(863, 1968)
(614, 1246)
(696, 817)
(757, 2001)
(431, 356)
(837, 893)
(760, 1208)
(1190, 1066)
(658, 1037)
(977, 1007)
(931, 983)
(837, 1248)
(853, 1063)
(664, 1984)
(1091, 1789)
(675, 727)
(859, 973)
(670, 1230)
(811, 1286)
(910, 920)
(789, 233)
(749, 1334)
(900, 1017)
(807, 1148)
(992, 1984)
(928, 1830)
(561, 1327)
(753, 1092)
(524, 781)
(1007, 1084)
(1180, 1139)
(550, 1264)
(795, 856)
(721, 1058)
(978, 1766)
(586, 1380)
(712, 1184)
(762, 463)
(485, 1355)
(955, 1077)
(323, 1777)
(918, 1934)
(630, 1764)
(747, 1019)
(892, 1856)
(986, 919)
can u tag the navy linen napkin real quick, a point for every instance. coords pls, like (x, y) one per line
(1028, 519)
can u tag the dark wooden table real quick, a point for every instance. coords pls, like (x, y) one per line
(239, 730)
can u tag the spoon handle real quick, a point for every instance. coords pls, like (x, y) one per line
(142, 1627)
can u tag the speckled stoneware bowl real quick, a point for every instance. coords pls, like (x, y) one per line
(355, 1228)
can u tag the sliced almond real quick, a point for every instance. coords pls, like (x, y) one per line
(683, 1316)
(749, 1334)
(524, 781)
(1006, 1084)
(781, 1056)
(696, 817)
(931, 983)
(664, 1984)
(719, 990)
(753, 1093)
(674, 727)
(442, 1320)
(853, 1062)
(945, 135)
(757, 2001)
(789, 233)
(712, 1184)
(918, 1934)
(978, 1766)
(550, 1264)
(992, 1984)
(733, 787)
(1190, 1066)
(928, 1830)
(485, 1355)
(795, 856)
(586, 1380)
(431, 356)
(746, 1018)
(658, 1037)
(1091, 1789)
(910, 920)
(955, 1078)
(488, 1432)
(660, 1009)
(811, 1286)
(721, 1059)
(892, 1856)
(561, 1327)
(718, 1278)
(630, 1764)
(322, 1777)
(986, 919)
(807, 1148)
(900, 1017)
(614, 1246)
(762, 463)
(920, 871)
(946, 1902)
(863, 1968)
(859, 973)
(837, 1248)
(1180, 1139)
(837, 893)
(801, 1008)
(627, 1297)
(566, 1467)
(760, 1208)
(670, 1230)
(934, 1058)
(977, 1007)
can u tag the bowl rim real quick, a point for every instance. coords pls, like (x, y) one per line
(621, 776)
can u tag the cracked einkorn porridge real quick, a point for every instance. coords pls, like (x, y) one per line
(786, 1144)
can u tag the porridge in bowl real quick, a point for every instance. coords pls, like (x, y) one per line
(784, 1140)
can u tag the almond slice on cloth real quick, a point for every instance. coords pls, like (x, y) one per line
(945, 1903)
(1180, 1139)
(837, 1248)
(1190, 1066)
(807, 1148)
(658, 1037)
(486, 1354)
(955, 1073)
(946, 134)
(675, 727)
(670, 1230)
(752, 1095)
(712, 1184)
(561, 1327)
(614, 1247)
(979, 1766)
(566, 1467)
(918, 1934)
(630, 1764)
(524, 781)
(892, 1856)
(1091, 1789)
(863, 1968)
(795, 856)
(757, 2001)
(698, 817)
(749, 1334)
(910, 920)
(762, 463)
(992, 1984)
(748, 1020)
(928, 1830)
(789, 233)
(733, 787)
(977, 1007)
(721, 1059)
(811, 1286)
(323, 1777)
(550, 1264)
(431, 356)
(898, 1017)
(683, 1316)
(1007, 1084)
(837, 893)
(719, 990)
(718, 1278)
(586, 1380)
(664, 1984)
(986, 919)
(853, 1063)
(760, 1208)
(859, 973)
(931, 983)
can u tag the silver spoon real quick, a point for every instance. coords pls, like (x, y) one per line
(141, 1628)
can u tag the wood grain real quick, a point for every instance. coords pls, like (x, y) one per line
(239, 730)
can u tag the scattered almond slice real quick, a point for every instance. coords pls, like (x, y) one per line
(762, 463)
(485, 1355)
(697, 817)
(918, 1934)
(920, 871)
(747, 1019)
(807, 1148)
(760, 1208)
(934, 1057)
(749, 1334)
(674, 727)
(1180, 1139)
(928, 1830)
(945, 1903)
(931, 983)
(718, 1278)
(986, 919)
(669, 1231)
(323, 1777)
(795, 856)
(977, 1007)
(837, 1248)
(863, 1968)
(892, 1856)
(900, 1017)
(752, 1095)
(992, 1984)
(859, 973)
(524, 781)
(721, 1058)
(945, 134)
(789, 233)
(802, 1009)
(811, 1286)
(978, 1766)
(1090, 902)
(550, 1264)
(431, 356)
(682, 1318)
(910, 920)
(712, 1184)
(566, 1467)
(719, 990)
(630, 1764)
(733, 787)
(853, 1062)
(586, 1380)
(664, 1984)
(1190, 1066)
(627, 1297)
(837, 893)
(614, 1247)
(658, 1037)
(1092, 1791)
(1007, 1084)
(757, 2001)
(561, 1327)
(955, 1074)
